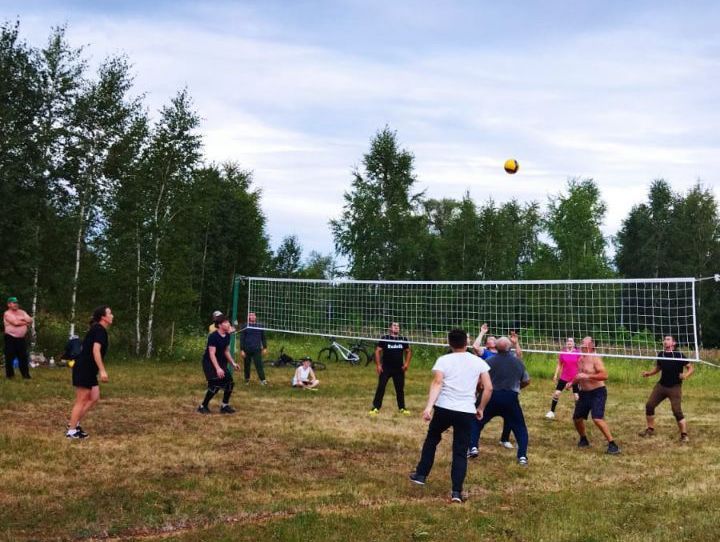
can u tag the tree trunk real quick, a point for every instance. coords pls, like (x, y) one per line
(78, 246)
(138, 336)
(33, 331)
(153, 292)
(202, 269)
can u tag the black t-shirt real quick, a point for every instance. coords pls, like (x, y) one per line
(393, 348)
(220, 343)
(671, 365)
(96, 334)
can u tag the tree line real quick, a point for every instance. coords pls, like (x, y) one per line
(104, 201)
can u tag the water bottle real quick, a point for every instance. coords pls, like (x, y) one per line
(52, 361)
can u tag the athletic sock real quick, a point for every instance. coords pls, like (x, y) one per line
(553, 405)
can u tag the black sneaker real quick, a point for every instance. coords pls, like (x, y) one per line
(583, 442)
(75, 434)
(227, 409)
(418, 479)
(202, 409)
(80, 430)
(457, 496)
(473, 452)
(613, 448)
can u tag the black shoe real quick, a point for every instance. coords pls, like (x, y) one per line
(583, 442)
(613, 448)
(202, 409)
(83, 434)
(457, 496)
(77, 434)
(418, 479)
(227, 409)
(27, 377)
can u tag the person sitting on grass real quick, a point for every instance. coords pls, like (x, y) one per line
(304, 376)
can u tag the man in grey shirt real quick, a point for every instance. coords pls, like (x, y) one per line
(508, 375)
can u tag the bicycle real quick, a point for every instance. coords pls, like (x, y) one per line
(354, 355)
(285, 360)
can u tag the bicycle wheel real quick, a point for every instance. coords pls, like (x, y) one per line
(327, 355)
(318, 366)
(363, 357)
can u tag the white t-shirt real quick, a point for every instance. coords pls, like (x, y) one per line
(301, 375)
(461, 371)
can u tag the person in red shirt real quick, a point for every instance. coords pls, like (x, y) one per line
(16, 323)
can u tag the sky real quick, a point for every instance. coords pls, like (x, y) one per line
(621, 92)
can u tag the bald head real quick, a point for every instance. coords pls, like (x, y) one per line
(503, 344)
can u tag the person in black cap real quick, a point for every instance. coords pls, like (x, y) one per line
(16, 323)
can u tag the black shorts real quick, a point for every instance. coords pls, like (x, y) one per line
(591, 402)
(84, 375)
(562, 383)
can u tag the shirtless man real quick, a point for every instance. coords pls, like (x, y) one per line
(591, 378)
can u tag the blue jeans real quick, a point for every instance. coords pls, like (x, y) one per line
(504, 403)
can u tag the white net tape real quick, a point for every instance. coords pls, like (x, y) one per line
(626, 317)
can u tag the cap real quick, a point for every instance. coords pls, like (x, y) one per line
(217, 313)
(306, 358)
(12, 299)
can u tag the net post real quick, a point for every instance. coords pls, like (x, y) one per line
(694, 311)
(234, 314)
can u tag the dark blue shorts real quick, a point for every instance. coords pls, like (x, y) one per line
(591, 402)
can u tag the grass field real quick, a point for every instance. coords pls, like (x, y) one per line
(293, 465)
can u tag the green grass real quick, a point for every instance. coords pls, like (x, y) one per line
(294, 465)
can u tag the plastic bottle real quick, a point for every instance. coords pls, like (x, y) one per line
(52, 361)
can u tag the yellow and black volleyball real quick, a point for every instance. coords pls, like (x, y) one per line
(511, 166)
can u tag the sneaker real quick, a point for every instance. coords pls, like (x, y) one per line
(202, 409)
(247, 382)
(226, 409)
(264, 382)
(507, 444)
(374, 412)
(647, 432)
(583, 442)
(418, 479)
(522, 461)
(684, 439)
(75, 434)
(404, 412)
(550, 415)
(456, 496)
(80, 430)
(613, 449)
(473, 452)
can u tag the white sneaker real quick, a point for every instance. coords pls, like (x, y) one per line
(507, 444)
(550, 415)
(522, 461)
(473, 452)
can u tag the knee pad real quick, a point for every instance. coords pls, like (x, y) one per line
(649, 410)
(679, 416)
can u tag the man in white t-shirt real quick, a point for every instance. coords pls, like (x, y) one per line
(452, 394)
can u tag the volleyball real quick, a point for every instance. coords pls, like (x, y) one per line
(511, 166)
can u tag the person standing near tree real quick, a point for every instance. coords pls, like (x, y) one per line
(671, 364)
(215, 366)
(253, 346)
(89, 364)
(16, 323)
(392, 359)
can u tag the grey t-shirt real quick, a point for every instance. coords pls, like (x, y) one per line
(507, 371)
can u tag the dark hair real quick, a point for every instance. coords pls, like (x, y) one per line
(457, 338)
(98, 313)
(220, 319)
